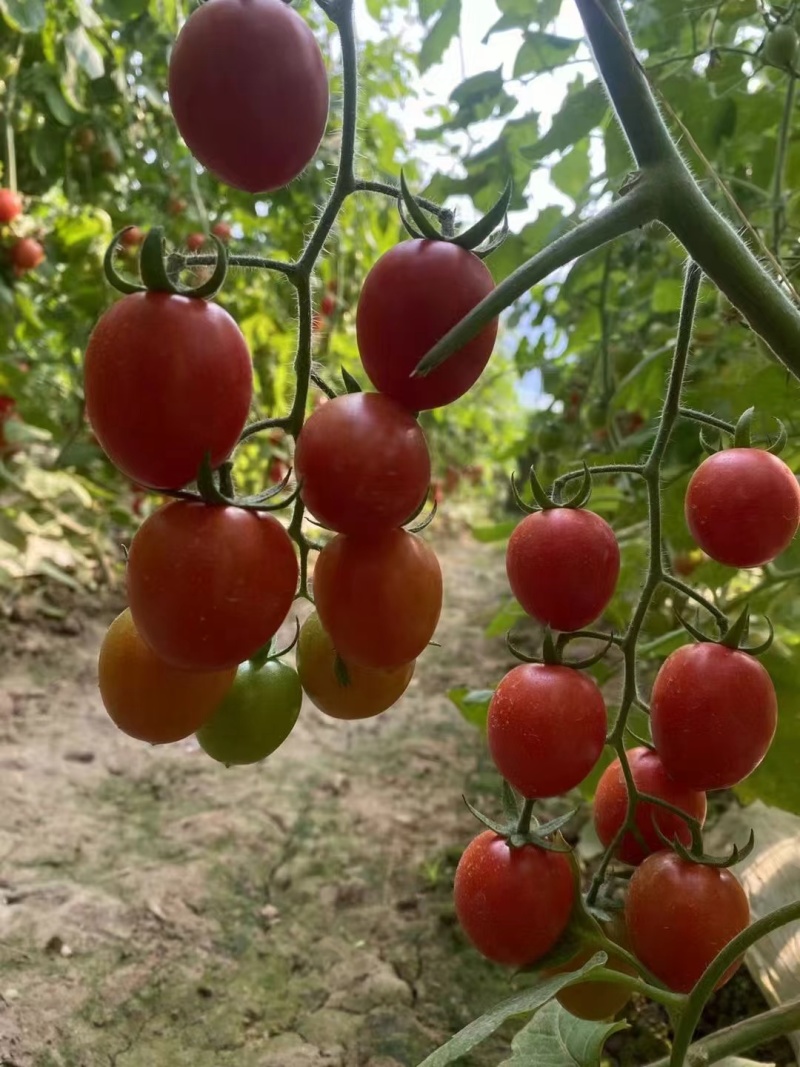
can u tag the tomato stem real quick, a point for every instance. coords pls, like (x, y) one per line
(525, 815)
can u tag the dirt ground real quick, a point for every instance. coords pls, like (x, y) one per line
(158, 909)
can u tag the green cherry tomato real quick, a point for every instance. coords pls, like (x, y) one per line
(256, 715)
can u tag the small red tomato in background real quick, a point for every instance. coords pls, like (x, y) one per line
(85, 139)
(680, 915)
(10, 205)
(743, 506)
(26, 254)
(222, 230)
(713, 713)
(8, 406)
(684, 564)
(327, 304)
(195, 241)
(512, 903)
(132, 237)
(277, 471)
(649, 776)
(452, 478)
(562, 566)
(176, 205)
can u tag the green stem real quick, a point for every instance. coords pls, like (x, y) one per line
(784, 136)
(706, 420)
(690, 591)
(524, 821)
(361, 185)
(732, 952)
(8, 117)
(675, 1001)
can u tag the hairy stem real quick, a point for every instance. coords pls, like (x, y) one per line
(778, 206)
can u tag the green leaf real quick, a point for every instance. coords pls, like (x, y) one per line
(543, 51)
(440, 35)
(572, 172)
(556, 1038)
(472, 703)
(581, 112)
(85, 53)
(25, 15)
(11, 533)
(59, 108)
(505, 618)
(500, 531)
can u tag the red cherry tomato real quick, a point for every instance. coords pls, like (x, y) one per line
(132, 237)
(713, 713)
(176, 205)
(10, 205)
(411, 298)
(363, 463)
(26, 254)
(649, 776)
(222, 230)
(743, 506)
(562, 566)
(209, 586)
(378, 597)
(680, 915)
(546, 728)
(327, 305)
(512, 903)
(167, 379)
(249, 91)
(195, 241)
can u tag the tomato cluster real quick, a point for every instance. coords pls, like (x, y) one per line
(23, 254)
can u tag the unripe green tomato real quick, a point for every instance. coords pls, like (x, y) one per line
(780, 47)
(551, 436)
(255, 716)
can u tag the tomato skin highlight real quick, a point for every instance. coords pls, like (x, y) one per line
(512, 903)
(10, 205)
(249, 92)
(363, 462)
(562, 566)
(743, 506)
(379, 598)
(680, 915)
(167, 379)
(255, 716)
(713, 713)
(546, 728)
(410, 299)
(369, 691)
(649, 776)
(148, 699)
(209, 586)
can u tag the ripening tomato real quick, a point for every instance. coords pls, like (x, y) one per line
(132, 237)
(167, 379)
(546, 728)
(596, 1001)
(327, 305)
(713, 713)
(410, 299)
(176, 205)
(26, 254)
(209, 586)
(10, 205)
(368, 691)
(363, 462)
(743, 506)
(649, 776)
(249, 91)
(562, 566)
(680, 915)
(256, 715)
(146, 697)
(379, 597)
(222, 230)
(195, 241)
(512, 903)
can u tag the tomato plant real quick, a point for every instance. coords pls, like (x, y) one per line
(409, 300)
(249, 91)
(713, 713)
(743, 506)
(256, 715)
(209, 586)
(680, 915)
(379, 598)
(167, 379)
(546, 728)
(363, 464)
(649, 776)
(563, 565)
(345, 690)
(512, 903)
(146, 697)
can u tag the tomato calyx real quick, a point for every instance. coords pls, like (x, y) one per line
(544, 501)
(732, 636)
(268, 653)
(477, 239)
(695, 853)
(219, 491)
(154, 269)
(743, 436)
(520, 826)
(553, 650)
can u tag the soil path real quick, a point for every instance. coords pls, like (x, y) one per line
(156, 909)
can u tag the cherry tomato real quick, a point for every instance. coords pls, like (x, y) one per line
(546, 728)
(222, 230)
(167, 379)
(680, 915)
(249, 91)
(195, 241)
(277, 471)
(255, 716)
(743, 506)
(26, 254)
(378, 597)
(684, 564)
(512, 903)
(596, 1001)
(363, 462)
(649, 776)
(327, 305)
(713, 713)
(562, 566)
(146, 697)
(86, 139)
(132, 237)
(410, 299)
(176, 205)
(10, 205)
(367, 692)
(209, 586)
(780, 47)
